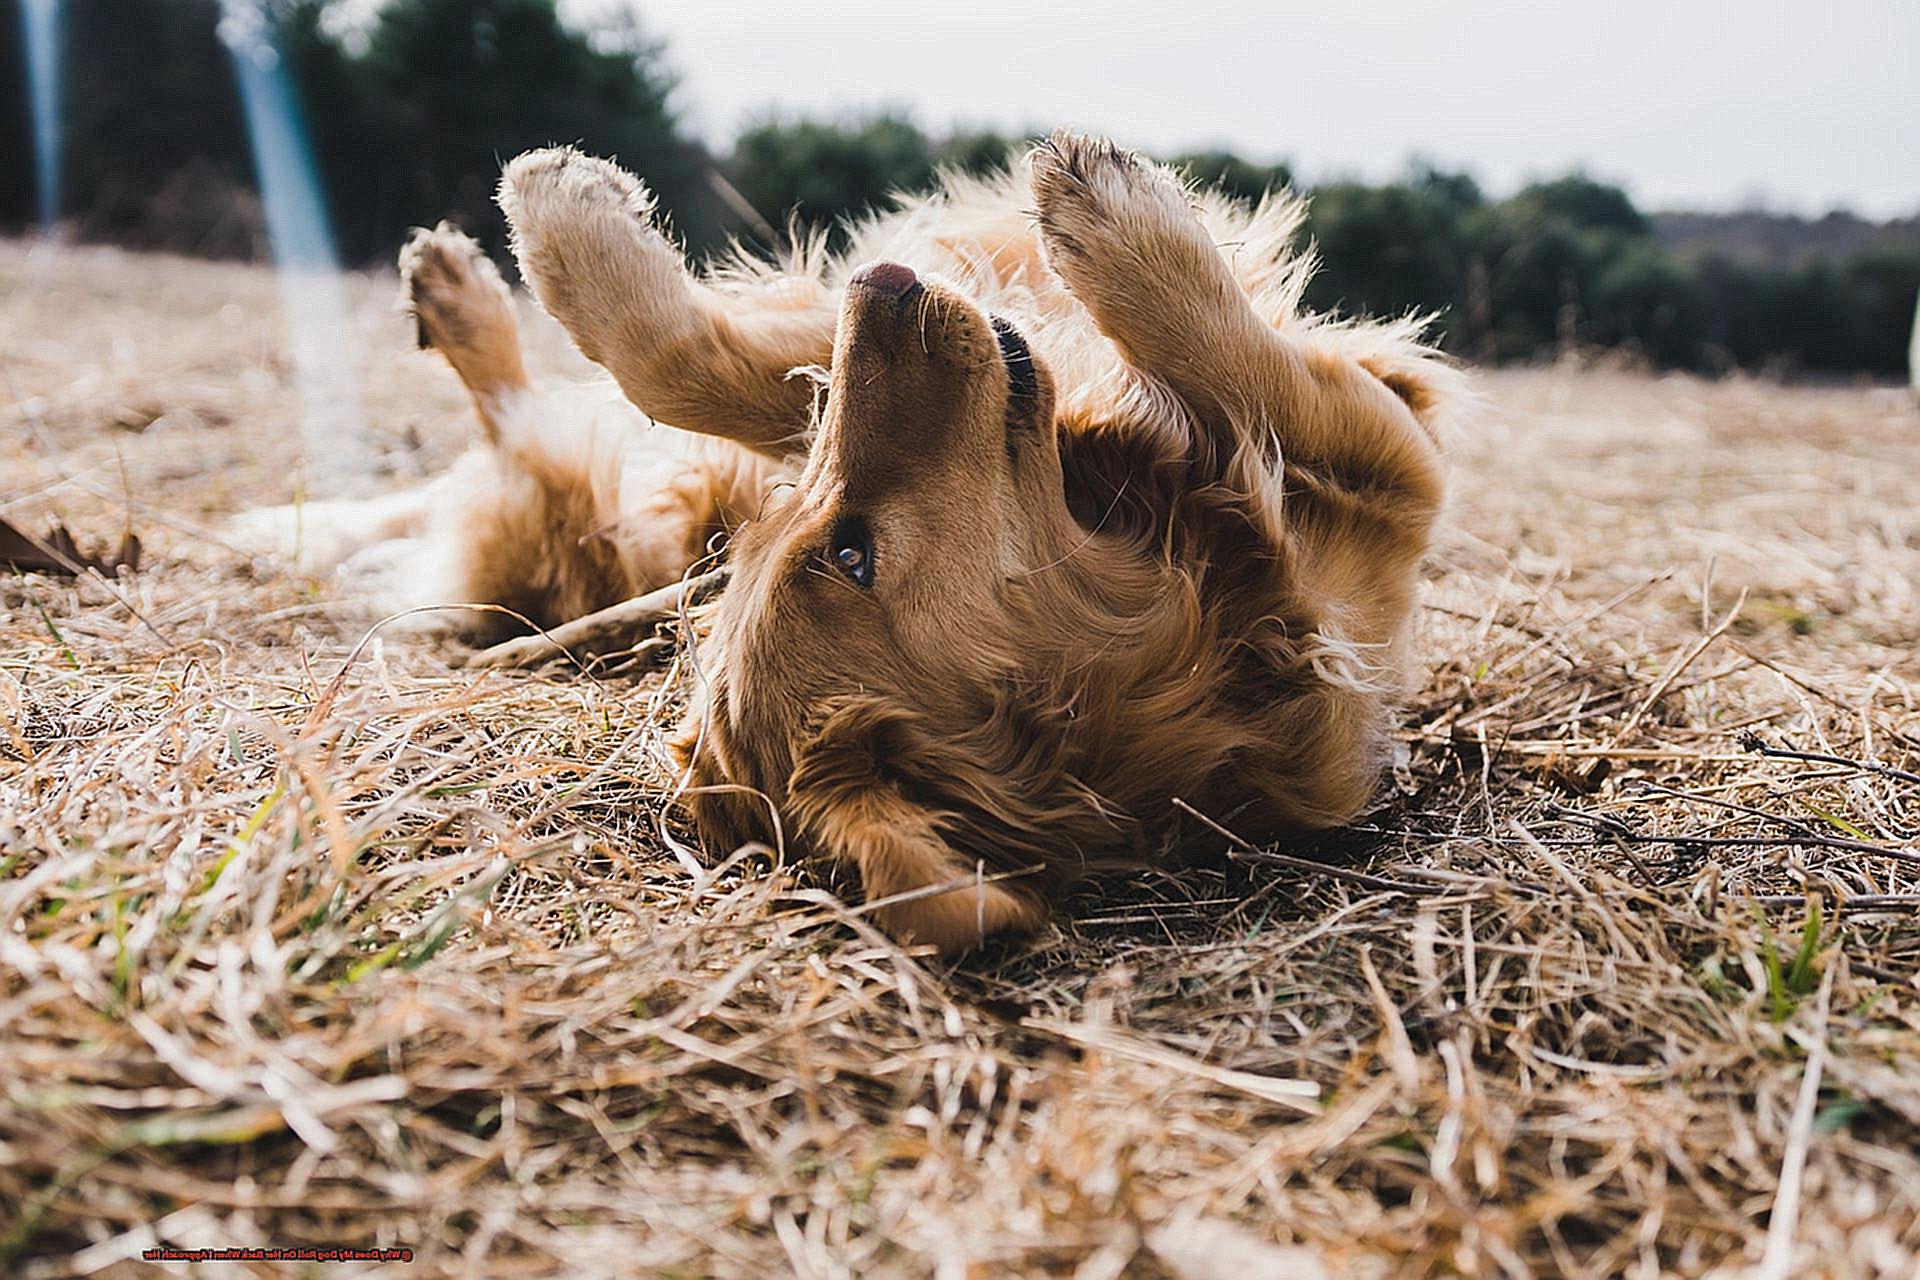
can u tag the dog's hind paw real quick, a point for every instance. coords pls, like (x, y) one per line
(462, 308)
(453, 290)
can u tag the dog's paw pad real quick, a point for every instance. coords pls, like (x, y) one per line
(550, 189)
(1101, 204)
(452, 288)
(1069, 167)
(1068, 160)
(444, 259)
(1089, 187)
(585, 237)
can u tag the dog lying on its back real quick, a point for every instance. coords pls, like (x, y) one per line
(1092, 517)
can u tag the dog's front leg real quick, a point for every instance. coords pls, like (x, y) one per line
(585, 235)
(1119, 231)
(1122, 234)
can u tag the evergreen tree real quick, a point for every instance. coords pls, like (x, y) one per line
(417, 127)
(154, 145)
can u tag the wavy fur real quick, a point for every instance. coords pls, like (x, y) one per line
(1170, 556)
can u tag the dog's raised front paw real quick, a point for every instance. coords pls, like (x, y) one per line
(1096, 199)
(586, 240)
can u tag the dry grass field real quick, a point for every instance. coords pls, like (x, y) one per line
(313, 940)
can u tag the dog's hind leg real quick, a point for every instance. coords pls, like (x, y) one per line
(570, 508)
(529, 523)
(462, 309)
(585, 234)
(1122, 234)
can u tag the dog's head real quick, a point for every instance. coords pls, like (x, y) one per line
(857, 671)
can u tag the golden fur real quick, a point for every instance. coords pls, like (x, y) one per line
(1152, 536)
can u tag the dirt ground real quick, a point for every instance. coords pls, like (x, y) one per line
(310, 943)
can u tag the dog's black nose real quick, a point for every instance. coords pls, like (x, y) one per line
(893, 279)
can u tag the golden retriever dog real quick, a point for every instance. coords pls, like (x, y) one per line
(1046, 506)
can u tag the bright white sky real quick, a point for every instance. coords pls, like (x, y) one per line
(1802, 104)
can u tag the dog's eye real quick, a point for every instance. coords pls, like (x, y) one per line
(850, 549)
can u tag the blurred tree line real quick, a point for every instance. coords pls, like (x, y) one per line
(411, 108)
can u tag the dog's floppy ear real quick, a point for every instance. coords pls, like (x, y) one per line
(900, 851)
(854, 808)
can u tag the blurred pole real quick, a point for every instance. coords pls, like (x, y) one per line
(320, 341)
(40, 21)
